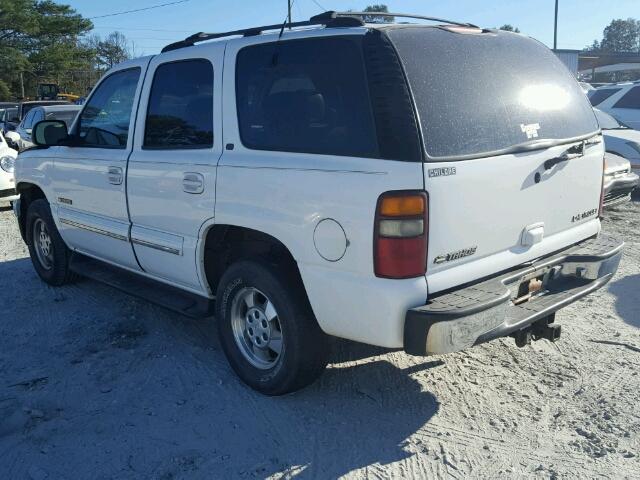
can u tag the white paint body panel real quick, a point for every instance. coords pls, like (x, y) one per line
(81, 176)
(489, 202)
(162, 214)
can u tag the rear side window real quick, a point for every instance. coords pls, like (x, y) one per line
(180, 112)
(600, 95)
(630, 100)
(480, 95)
(306, 96)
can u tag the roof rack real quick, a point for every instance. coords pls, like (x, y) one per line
(403, 15)
(328, 19)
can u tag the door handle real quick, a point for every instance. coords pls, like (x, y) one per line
(193, 182)
(115, 175)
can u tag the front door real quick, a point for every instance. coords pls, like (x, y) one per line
(172, 170)
(90, 175)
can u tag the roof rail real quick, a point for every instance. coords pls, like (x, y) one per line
(328, 19)
(402, 15)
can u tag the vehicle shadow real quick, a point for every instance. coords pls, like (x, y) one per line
(125, 388)
(626, 291)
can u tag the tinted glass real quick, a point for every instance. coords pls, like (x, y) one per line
(11, 115)
(28, 120)
(67, 116)
(606, 121)
(480, 94)
(305, 96)
(180, 112)
(39, 116)
(600, 95)
(630, 100)
(104, 122)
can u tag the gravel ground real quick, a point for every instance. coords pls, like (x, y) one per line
(96, 384)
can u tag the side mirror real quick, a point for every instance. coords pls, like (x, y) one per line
(49, 133)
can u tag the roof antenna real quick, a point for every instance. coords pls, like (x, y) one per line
(288, 19)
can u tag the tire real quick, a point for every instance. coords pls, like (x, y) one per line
(303, 350)
(52, 263)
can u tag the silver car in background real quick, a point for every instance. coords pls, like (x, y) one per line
(21, 138)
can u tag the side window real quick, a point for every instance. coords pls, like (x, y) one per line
(630, 100)
(306, 96)
(28, 120)
(180, 112)
(38, 117)
(104, 121)
(600, 95)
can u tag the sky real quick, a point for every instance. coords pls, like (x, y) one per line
(579, 23)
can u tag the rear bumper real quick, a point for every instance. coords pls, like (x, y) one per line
(484, 311)
(618, 190)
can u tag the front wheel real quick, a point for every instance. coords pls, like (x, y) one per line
(267, 328)
(49, 254)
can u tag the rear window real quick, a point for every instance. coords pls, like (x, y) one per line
(305, 96)
(630, 100)
(483, 94)
(600, 95)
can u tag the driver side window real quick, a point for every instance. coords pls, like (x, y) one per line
(104, 121)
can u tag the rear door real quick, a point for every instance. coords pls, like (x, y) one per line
(172, 172)
(495, 110)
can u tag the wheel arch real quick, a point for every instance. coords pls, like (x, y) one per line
(29, 192)
(222, 244)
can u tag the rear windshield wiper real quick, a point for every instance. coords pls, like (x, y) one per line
(573, 152)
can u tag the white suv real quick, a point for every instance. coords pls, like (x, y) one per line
(403, 185)
(622, 100)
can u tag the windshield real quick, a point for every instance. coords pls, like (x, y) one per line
(607, 122)
(483, 94)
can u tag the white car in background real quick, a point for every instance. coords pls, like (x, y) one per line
(22, 135)
(622, 100)
(619, 138)
(7, 163)
(619, 180)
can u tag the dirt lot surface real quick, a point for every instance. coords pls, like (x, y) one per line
(95, 384)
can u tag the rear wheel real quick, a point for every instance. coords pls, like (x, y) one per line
(49, 254)
(267, 329)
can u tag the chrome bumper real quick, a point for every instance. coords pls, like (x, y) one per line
(618, 190)
(484, 311)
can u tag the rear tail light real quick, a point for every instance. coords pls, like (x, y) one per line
(400, 235)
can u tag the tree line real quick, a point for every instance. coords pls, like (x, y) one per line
(42, 41)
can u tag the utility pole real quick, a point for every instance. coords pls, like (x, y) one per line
(21, 85)
(289, 13)
(555, 29)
